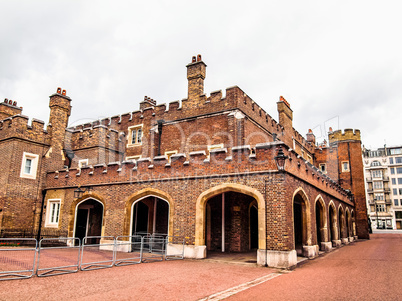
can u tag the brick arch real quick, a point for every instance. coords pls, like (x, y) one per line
(73, 208)
(334, 222)
(206, 195)
(137, 196)
(348, 220)
(324, 219)
(342, 221)
(306, 214)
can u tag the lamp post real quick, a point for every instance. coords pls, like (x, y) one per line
(376, 212)
(78, 193)
(280, 159)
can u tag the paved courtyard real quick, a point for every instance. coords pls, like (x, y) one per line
(369, 270)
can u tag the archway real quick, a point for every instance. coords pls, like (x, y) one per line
(332, 223)
(348, 223)
(88, 220)
(301, 221)
(231, 223)
(341, 216)
(150, 215)
(321, 222)
(201, 227)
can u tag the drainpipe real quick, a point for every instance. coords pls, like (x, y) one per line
(160, 123)
(41, 214)
(265, 221)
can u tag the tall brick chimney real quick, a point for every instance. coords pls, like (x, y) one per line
(285, 113)
(60, 109)
(196, 71)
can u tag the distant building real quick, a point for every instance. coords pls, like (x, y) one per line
(217, 171)
(383, 181)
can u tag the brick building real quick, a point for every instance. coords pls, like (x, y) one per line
(206, 168)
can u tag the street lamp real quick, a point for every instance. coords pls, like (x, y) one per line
(376, 212)
(80, 192)
(280, 159)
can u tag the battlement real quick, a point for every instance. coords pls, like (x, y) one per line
(9, 108)
(348, 134)
(237, 160)
(17, 127)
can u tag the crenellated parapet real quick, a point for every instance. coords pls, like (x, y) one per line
(346, 135)
(237, 161)
(18, 127)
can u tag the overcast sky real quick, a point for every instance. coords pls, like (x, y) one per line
(338, 63)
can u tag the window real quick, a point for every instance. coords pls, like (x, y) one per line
(135, 135)
(53, 212)
(29, 166)
(395, 151)
(398, 214)
(391, 160)
(396, 203)
(400, 191)
(377, 185)
(393, 181)
(380, 208)
(345, 166)
(375, 163)
(399, 170)
(398, 160)
(379, 196)
(400, 181)
(309, 159)
(376, 174)
(392, 171)
(323, 168)
(394, 191)
(82, 163)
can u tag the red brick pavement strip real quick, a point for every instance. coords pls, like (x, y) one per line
(366, 270)
(166, 280)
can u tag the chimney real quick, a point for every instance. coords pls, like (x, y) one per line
(195, 75)
(285, 113)
(310, 137)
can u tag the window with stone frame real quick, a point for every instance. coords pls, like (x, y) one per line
(135, 135)
(29, 165)
(53, 213)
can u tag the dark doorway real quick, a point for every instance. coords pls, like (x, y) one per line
(150, 216)
(89, 221)
(332, 223)
(320, 223)
(341, 224)
(298, 226)
(231, 223)
(254, 227)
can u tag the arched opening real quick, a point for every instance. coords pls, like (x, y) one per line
(353, 224)
(332, 224)
(150, 215)
(348, 224)
(320, 219)
(301, 221)
(342, 232)
(88, 220)
(231, 222)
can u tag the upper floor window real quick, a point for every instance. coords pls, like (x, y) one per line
(376, 174)
(396, 203)
(53, 213)
(379, 196)
(392, 170)
(399, 170)
(323, 168)
(380, 208)
(391, 160)
(375, 163)
(400, 181)
(135, 135)
(398, 160)
(377, 185)
(393, 181)
(395, 151)
(29, 165)
(345, 166)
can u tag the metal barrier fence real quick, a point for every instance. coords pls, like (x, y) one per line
(58, 256)
(63, 255)
(97, 252)
(128, 250)
(17, 258)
